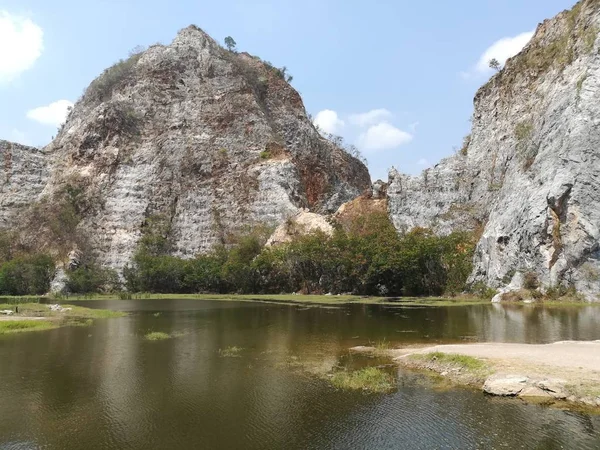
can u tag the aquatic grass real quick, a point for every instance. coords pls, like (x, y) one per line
(451, 360)
(231, 352)
(18, 326)
(157, 336)
(369, 379)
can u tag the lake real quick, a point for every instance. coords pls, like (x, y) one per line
(107, 387)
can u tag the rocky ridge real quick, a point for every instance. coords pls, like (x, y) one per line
(201, 139)
(526, 177)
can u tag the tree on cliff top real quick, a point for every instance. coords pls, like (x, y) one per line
(230, 43)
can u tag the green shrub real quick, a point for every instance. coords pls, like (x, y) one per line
(90, 278)
(26, 275)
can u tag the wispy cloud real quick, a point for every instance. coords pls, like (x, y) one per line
(383, 136)
(53, 114)
(370, 118)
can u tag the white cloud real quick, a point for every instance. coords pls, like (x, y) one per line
(53, 114)
(328, 121)
(369, 118)
(21, 44)
(502, 50)
(383, 136)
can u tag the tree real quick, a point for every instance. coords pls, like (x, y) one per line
(230, 43)
(495, 64)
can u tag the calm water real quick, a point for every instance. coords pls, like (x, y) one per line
(106, 387)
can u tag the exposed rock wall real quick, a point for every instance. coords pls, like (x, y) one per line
(22, 178)
(529, 174)
(206, 139)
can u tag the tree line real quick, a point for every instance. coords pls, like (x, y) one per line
(366, 257)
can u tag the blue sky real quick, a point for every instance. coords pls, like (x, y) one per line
(396, 78)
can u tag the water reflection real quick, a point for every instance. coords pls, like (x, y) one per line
(107, 387)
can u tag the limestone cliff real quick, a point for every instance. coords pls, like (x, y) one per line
(205, 139)
(22, 178)
(528, 173)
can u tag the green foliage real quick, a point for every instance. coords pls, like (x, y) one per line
(26, 275)
(101, 88)
(462, 362)
(90, 278)
(281, 73)
(369, 379)
(230, 43)
(483, 291)
(495, 64)
(157, 336)
(265, 154)
(369, 258)
(18, 326)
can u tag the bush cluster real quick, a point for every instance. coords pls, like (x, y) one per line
(26, 275)
(369, 258)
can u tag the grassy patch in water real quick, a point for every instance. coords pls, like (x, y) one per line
(451, 360)
(157, 336)
(369, 379)
(18, 326)
(231, 352)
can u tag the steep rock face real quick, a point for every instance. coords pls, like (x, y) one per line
(22, 178)
(207, 140)
(528, 174)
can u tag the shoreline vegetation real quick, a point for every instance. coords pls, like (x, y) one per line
(559, 374)
(292, 299)
(34, 316)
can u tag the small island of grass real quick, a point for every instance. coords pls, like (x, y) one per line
(369, 379)
(157, 336)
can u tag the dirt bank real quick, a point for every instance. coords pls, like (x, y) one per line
(562, 371)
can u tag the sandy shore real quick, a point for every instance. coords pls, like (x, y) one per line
(562, 371)
(580, 355)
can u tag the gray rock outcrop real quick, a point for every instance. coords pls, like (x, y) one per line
(207, 140)
(527, 177)
(23, 176)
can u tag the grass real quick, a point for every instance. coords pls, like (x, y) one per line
(77, 312)
(18, 326)
(157, 336)
(76, 316)
(231, 352)
(452, 359)
(369, 379)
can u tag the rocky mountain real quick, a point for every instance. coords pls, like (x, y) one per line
(201, 139)
(527, 177)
